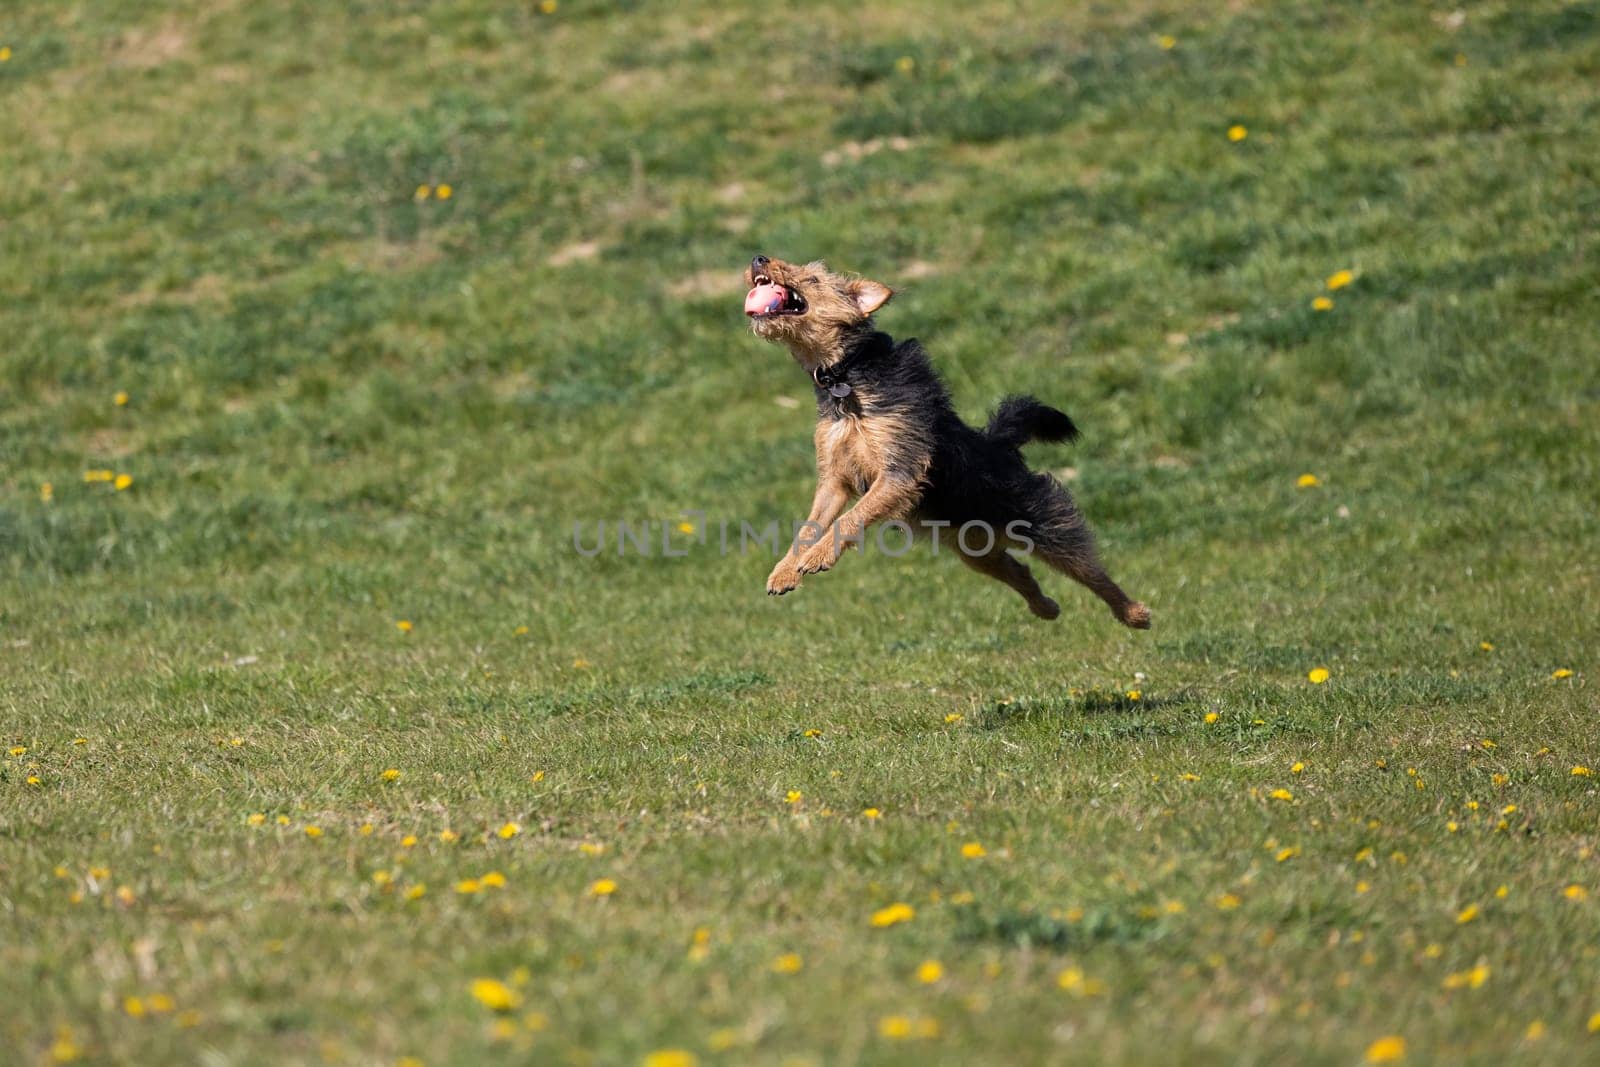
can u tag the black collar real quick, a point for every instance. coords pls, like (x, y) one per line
(834, 379)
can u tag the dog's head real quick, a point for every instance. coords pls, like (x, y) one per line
(809, 308)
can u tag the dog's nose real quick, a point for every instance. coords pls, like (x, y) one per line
(759, 264)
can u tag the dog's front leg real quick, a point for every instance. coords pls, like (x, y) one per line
(892, 496)
(825, 508)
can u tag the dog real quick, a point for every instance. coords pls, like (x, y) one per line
(889, 438)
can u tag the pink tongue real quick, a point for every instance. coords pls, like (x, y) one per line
(764, 299)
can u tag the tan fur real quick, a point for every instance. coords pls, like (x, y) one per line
(837, 305)
(853, 458)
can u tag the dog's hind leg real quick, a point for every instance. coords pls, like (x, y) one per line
(1061, 539)
(1007, 568)
(1078, 561)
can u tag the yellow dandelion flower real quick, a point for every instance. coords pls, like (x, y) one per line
(905, 64)
(121, 399)
(313, 831)
(602, 887)
(1212, 717)
(416, 892)
(64, 1049)
(549, 6)
(1322, 303)
(1074, 981)
(125, 896)
(972, 850)
(1134, 694)
(1237, 133)
(1339, 279)
(1581, 772)
(1467, 914)
(813, 733)
(793, 796)
(468, 886)
(382, 878)
(1486, 743)
(1486, 646)
(99, 475)
(19, 750)
(1189, 776)
(47, 492)
(495, 994)
(929, 971)
(422, 193)
(894, 1027)
(954, 717)
(722, 1039)
(871, 813)
(366, 829)
(893, 915)
(99, 874)
(256, 818)
(392, 774)
(449, 836)
(160, 1003)
(686, 527)
(520, 631)
(444, 192)
(1535, 1030)
(1317, 675)
(1575, 892)
(1452, 826)
(1166, 42)
(581, 664)
(661, 1057)
(788, 963)
(1227, 902)
(1174, 907)
(1509, 809)
(1362, 887)
(5, 53)
(134, 1007)
(1390, 1049)
(61, 872)
(409, 841)
(538, 776)
(1289, 853)
(1594, 1023)
(1281, 794)
(34, 779)
(1561, 673)
(591, 848)
(403, 625)
(1297, 768)
(508, 830)
(1500, 779)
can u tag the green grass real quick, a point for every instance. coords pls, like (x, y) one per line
(348, 407)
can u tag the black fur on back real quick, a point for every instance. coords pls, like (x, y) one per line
(1020, 419)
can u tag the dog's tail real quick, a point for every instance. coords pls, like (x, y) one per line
(1020, 419)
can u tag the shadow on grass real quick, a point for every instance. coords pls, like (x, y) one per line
(1093, 702)
(1065, 932)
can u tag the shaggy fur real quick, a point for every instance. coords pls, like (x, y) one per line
(888, 437)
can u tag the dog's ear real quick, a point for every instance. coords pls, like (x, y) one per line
(869, 295)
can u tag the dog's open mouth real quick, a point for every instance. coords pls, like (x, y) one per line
(770, 298)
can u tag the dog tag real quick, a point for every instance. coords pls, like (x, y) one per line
(840, 390)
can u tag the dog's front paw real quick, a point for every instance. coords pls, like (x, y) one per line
(818, 558)
(784, 577)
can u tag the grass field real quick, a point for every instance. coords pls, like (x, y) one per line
(323, 323)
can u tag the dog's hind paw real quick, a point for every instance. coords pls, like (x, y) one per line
(1136, 615)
